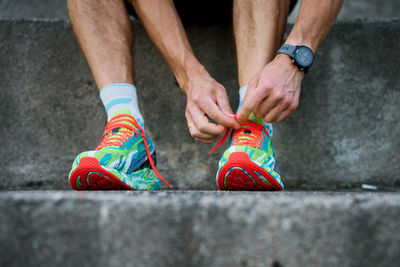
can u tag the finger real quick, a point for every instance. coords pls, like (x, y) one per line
(283, 116)
(217, 114)
(273, 106)
(250, 104)
(189, 120)
(265, 107)
(206, 141)
(196, 133)
(288, 111)
(223, 102)
(230, 114)
(202, 124)
(190, 124)
(274, 113)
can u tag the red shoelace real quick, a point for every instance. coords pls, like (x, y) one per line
(126, 130)
(250, 134)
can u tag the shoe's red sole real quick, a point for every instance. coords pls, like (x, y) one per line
(91, 176)
(239, 173)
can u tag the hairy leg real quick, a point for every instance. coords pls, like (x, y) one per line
(104, 33)
(258, 26)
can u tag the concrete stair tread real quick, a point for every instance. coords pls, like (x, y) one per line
(199, 228)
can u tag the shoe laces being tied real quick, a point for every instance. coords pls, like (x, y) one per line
(118, 131)
(250, 134)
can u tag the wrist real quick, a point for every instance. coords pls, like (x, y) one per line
(301, 56)
(188, 72)
(286, 62)
(300, 41)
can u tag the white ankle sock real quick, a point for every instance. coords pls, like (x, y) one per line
(242, 93)
(121, 96)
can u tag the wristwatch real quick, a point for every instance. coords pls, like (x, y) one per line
(301, 56)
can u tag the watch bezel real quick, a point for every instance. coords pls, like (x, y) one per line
(296, 57)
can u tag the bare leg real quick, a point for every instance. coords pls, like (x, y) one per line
(104, 33)
(258, 27)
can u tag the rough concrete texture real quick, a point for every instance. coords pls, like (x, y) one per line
(199, 229)
(345, 130)
(359, 9)
(31, 9)
(356, 9)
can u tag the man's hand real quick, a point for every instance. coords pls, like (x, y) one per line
(274, 92)
(207, 99)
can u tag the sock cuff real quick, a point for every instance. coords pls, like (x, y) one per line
(118, 90)
(120, 97)
(242, 93)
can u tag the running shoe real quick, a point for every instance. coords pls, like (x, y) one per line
(249, 162)
(124, 160)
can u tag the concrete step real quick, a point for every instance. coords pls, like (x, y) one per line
(344, 133)
(199, 229)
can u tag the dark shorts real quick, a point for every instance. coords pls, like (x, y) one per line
(199, 12)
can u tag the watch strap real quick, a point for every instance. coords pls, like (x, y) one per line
(287, 49)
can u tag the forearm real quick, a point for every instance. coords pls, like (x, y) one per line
(315, 19)
(164, 27)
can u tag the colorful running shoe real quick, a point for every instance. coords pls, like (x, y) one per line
(124, 160)
(249, 162)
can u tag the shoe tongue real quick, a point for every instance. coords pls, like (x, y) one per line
(122, 111)
(126, 111)
(253, 118)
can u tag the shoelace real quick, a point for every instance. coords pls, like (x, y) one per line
(123, 121)
(250, 134)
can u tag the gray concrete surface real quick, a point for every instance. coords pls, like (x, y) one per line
(33, 9)
(344, 133)
(357, 9)
(360, 9)
(199, 229)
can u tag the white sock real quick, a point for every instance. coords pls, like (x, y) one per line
(121, 96)
(242, 93)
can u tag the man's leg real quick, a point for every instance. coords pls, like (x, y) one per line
(249, 164)
(104, 33)
(258, 28)
(123, 159)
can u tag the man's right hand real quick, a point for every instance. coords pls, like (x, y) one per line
(206, 99)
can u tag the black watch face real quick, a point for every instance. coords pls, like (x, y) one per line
(304, 57)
